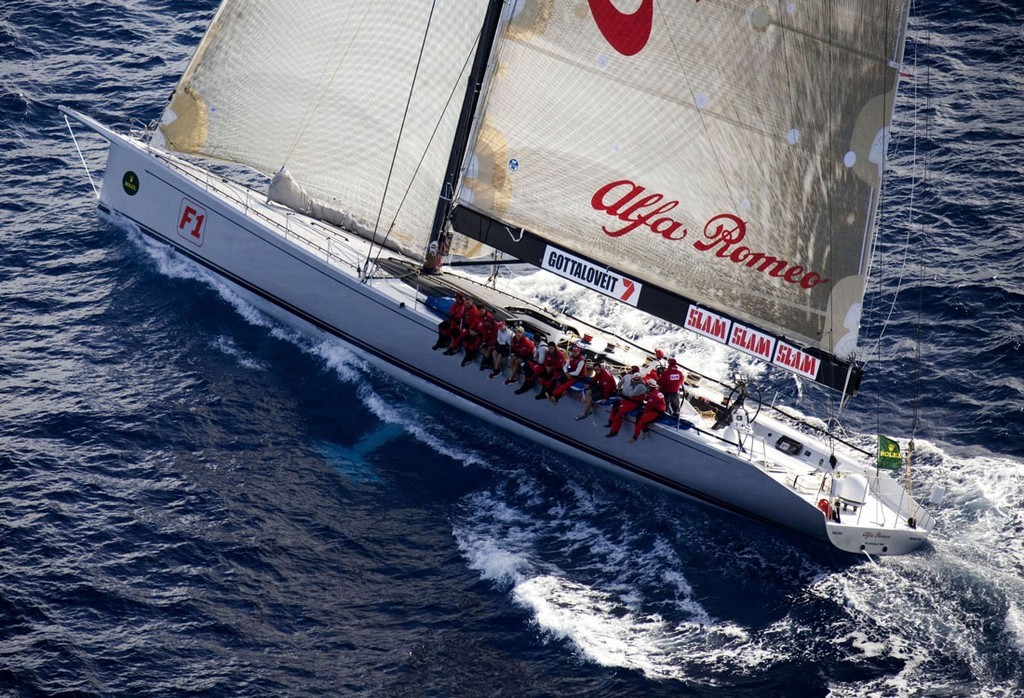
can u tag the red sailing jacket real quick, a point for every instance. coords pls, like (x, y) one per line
(604, 383)
(456, 312)
(671, 379)
(655, 402)
(575, 366)
(522, 346)
(554, 362)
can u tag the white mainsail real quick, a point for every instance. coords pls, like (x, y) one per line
(321, 88)
(729, 152)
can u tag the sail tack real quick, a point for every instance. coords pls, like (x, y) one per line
(727, 153)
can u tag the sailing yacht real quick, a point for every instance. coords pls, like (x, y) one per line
(342, 164)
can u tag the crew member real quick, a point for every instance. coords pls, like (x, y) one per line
(654, 407)
(451, 327)
(575, 371)
(671, 384)
(502, 348)
(551, 371)
(600, 387)
(631, 396)
(521, 349)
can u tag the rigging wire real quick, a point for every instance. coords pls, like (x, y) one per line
(910, 209)
(894, 143)
(323, 89)
(401, 130)
(877, 350)
(95, 190)
(920, 266)
(832, 102)
(911, 225)
(916, 410)
(423, 156)
(920, 292)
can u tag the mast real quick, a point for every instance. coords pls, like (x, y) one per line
(438, 246)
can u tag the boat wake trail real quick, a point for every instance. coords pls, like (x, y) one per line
(950, 616)
(616, 591)
(620, 590)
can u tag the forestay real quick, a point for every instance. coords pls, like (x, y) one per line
(727, 153)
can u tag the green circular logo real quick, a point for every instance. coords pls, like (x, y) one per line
(130, 182)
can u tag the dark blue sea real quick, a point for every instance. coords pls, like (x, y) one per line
(196, 502)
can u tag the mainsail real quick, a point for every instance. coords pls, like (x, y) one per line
(716, 163)
(321, 87)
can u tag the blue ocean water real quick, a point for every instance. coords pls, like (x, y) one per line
(195, 501)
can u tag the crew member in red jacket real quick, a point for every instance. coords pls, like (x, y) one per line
(671, 384)
(601, 387)
(489, 333)
(554, 364)
(533, 367)
(654, 407)
(451, 327)
(520, 351)
(575, 371)
(471, 341)
(470, 318)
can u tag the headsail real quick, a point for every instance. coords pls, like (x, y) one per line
(320, 86)
(722, 158)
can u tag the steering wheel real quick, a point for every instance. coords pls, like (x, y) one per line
(738, 397)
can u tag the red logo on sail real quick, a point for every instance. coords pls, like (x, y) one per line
(627, 33)
(796, 360)
(751, 341)
(707, 323)
(634, 207)
(630, 287)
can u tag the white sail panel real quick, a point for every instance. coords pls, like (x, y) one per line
(320, 87)
(729, 151)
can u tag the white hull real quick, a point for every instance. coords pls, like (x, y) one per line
(266, 254)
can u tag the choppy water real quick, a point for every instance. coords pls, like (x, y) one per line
(195, 502)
